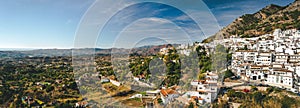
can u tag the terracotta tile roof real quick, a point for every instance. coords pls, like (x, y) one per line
(165, 92)
(244, 64)
(194, 97)
(200, 81)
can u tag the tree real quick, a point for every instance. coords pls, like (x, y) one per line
(49, 88)
(191, 105)
(201, 76)
(73, 86)
(228, 74)
(229, 58)
(64, 105)
(204, 60)
(219, 58)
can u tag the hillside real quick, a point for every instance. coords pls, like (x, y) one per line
(262, 22)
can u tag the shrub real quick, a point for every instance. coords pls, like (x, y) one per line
(253, 88)
(295, 14)
(270, 89)
(258, 96)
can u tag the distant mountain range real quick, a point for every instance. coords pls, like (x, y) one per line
(264, 21)
(18, 53)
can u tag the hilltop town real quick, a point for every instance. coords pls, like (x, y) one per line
(271, 59)
(268, 62)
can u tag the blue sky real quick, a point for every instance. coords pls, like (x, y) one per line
(53, 23)
(165, 23)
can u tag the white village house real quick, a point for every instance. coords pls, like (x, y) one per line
(272, 59)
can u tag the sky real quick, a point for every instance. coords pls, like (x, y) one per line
(53, 23)
(164, 23)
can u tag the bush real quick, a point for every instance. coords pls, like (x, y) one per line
(295, 14)
(277, 89)
(268, 29)
(253, 88)
(159, 100)
(239, 94)
(258, 96)
(231, 92)
(297, 25)
(270, 89)
(287, 102)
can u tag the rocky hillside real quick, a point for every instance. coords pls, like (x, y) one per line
(263, 21)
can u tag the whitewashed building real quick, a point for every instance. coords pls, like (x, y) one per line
(272, 59)
(204, 90)
(281, 77)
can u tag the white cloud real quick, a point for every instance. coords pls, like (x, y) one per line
(163, 28)
(151, 28)
(157, 20)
